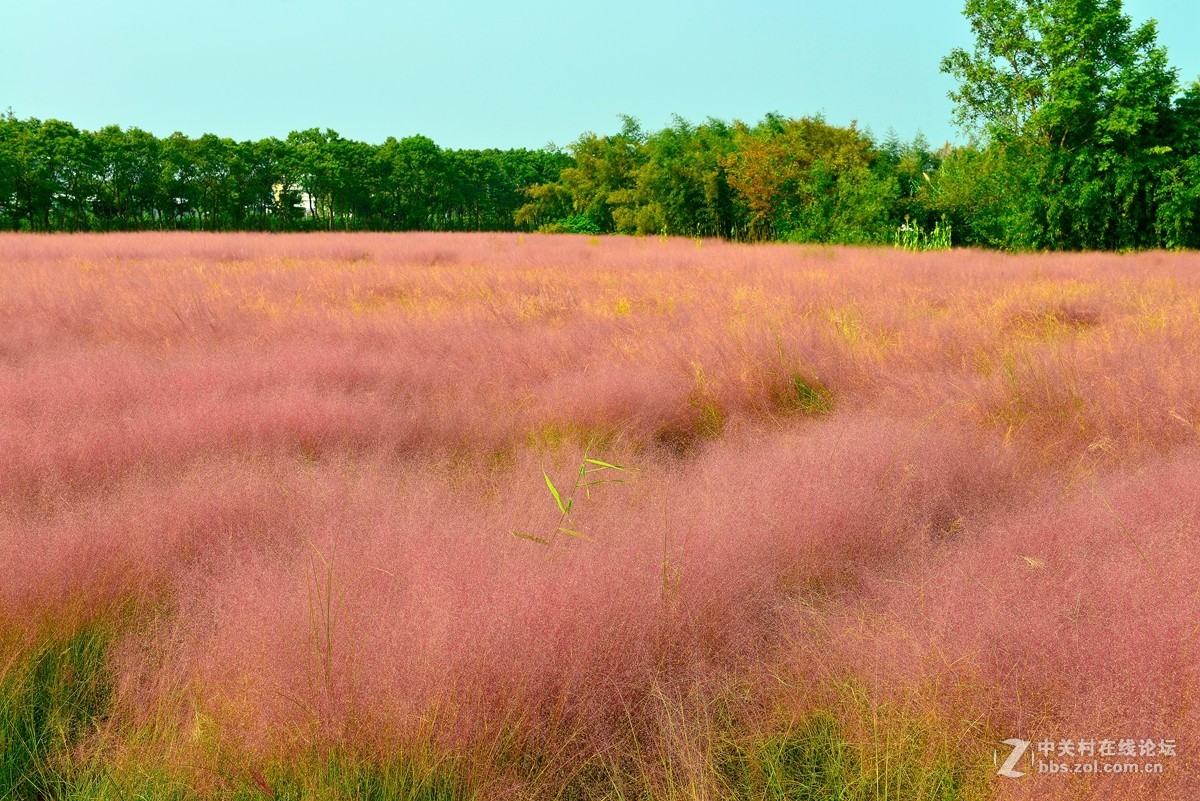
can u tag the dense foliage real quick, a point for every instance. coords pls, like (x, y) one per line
(1086, 148)
(1080, 139)
(781, 179)
(55, 177)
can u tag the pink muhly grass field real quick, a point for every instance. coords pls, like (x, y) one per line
(941, 499)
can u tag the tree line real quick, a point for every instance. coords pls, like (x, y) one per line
(1081, 137)
(56, 177)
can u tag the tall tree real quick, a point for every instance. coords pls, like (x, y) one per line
(10, 131)
(71, 158)
(808, 180)
(1071, 90)
(603, 173)
(1178, 214)
(682, 186)
(418, 189)
(130, 177)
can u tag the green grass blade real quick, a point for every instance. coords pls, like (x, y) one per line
(572, 532)
(604, 465)
(553, 491)
(530, 537)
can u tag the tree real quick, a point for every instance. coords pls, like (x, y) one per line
(603, 174)
(1178, 215)
(682, 186)
(416, 176)
(807, 180)
(314, 167)
(10, 132)
(71, 159)
(990, 196)
(258, 171)
(130, 178)
(1071, 90)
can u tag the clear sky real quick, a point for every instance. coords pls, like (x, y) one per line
(481, 73)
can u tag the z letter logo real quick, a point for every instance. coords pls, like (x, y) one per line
(1018, 750)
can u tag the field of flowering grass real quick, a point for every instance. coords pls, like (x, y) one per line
(293, 517)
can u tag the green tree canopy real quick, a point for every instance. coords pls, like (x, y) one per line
(1073, 92)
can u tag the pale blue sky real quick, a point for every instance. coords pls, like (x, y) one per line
(470, 73)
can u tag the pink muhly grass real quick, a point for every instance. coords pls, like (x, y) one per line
(435, 609)
(1075, 619)
(299, 461)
